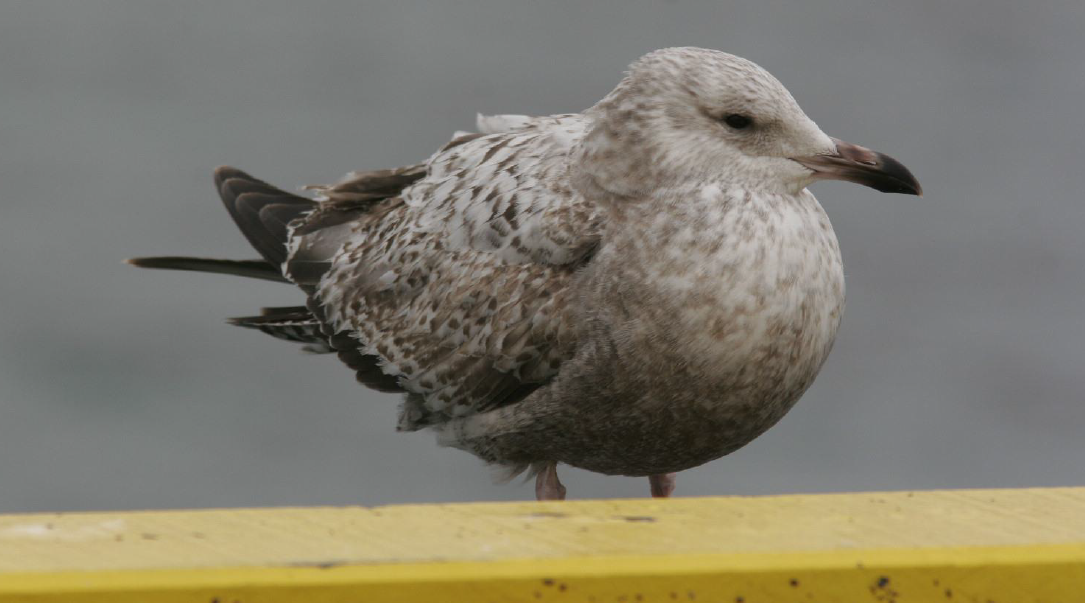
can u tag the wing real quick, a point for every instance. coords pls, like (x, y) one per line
(459, 288)
(507, 193)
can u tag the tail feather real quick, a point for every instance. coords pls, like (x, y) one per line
(268, 217)
(290, 323)
(247, 268)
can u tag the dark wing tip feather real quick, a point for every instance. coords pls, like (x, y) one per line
(247, 268)
(224, 173)
(246, 199)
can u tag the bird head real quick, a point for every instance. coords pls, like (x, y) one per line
(691, 114)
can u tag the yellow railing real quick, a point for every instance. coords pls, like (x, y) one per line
(952, 546)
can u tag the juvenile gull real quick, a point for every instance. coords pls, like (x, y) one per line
(636, 289)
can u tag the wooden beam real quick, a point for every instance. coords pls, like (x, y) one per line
(948, 546)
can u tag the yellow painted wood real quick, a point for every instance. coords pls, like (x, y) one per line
(983, 545)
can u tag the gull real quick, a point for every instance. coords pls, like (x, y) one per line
(636, 289)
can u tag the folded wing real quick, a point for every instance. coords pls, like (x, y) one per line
(457, 290)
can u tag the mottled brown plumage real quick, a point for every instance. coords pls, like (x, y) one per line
(636, 289)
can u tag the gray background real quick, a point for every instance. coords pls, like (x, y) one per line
(959, 363)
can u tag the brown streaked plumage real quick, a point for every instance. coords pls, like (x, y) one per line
(636, 289)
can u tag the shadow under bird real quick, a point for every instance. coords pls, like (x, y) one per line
(636, 289)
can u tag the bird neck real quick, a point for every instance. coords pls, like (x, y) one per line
(696, 234)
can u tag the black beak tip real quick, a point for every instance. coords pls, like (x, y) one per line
(898, 179)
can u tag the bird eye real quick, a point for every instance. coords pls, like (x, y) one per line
(736, 121)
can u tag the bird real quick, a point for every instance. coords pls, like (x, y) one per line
(636, 289)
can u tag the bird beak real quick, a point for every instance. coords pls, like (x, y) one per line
(858, 164)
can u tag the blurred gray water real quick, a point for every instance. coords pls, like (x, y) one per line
(959, 363)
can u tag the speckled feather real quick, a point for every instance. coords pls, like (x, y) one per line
(459, 283)
(612, 289)
(636, 289)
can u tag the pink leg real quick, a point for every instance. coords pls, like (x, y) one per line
(662, 484)
(547, 485)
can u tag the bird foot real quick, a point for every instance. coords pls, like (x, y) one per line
(662, 484)
(547, 485)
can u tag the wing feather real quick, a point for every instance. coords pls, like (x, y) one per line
(460, 285)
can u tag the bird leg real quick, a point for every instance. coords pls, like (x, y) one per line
(547, 485)
(662, 484)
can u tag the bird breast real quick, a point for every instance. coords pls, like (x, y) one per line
(742, 292)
